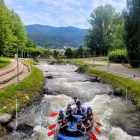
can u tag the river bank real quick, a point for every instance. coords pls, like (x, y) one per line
(9, 95)
(117, 82)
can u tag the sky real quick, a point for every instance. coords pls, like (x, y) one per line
(59, 13)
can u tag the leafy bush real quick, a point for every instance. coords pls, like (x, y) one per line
(118, 55)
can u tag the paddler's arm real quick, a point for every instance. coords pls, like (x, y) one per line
(89, 125)
(59, 126)
(85, 112)
(72, 110)
(68, 124)
(84, 128)
(92, 118)
(65, 110)
(74, 126)
(57, 118)
(81, 120)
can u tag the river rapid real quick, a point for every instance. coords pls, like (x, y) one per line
(116, 116)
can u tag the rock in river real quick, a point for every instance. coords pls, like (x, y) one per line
(25, 127)
(5, 118)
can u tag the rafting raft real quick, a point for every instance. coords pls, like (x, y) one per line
(72, 133)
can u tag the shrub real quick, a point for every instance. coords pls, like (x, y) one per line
(118, 55)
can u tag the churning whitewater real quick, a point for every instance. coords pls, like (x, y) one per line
(116, 116)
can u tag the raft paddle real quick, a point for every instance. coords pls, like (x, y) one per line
(97, 130)
(52, 126)
(53, 114)
(53, 131)
(92, 134)
(98, 123)
(92, 137)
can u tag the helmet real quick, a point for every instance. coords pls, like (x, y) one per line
(78, 121)
(75, 97)
(61, 111)
(69, 104)
(86, 116)
(89, 108)
(64, 118)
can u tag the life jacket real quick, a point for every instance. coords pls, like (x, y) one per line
(65, 127)
(76, 101)
(69, 110)
(86, 122)
(79, 127)
(89, 117)
(61, 117)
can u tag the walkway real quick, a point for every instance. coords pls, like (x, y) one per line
(117, 69)
(8, 74)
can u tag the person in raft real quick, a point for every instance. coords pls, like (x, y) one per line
(75, 101)
(86, 122)
(68, 111)
(87, 111)
(60, 116)
(81, 129)
(63, 126)
(90, 116)
(79, 107)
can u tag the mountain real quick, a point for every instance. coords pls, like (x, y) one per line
(54, 37)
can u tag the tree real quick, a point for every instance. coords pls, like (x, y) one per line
(69, 53)
(55, 53)
(103, 25)
(132, 27)
(47, 52)
(80, 51)
(118, 38)
(6, 37)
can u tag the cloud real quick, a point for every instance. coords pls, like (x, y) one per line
(59, 13)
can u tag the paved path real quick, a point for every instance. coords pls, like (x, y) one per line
(8, 74)
(117, 69)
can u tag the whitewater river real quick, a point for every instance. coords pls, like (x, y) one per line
(112, 112)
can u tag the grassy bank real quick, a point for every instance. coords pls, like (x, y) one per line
(77, 59)
(114, 80)
(4, 61)
(8, 96)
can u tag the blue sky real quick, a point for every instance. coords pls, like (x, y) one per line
(59, 13)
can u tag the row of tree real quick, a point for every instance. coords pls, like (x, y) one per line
(78, 53)
(13, 33)
(111, 30)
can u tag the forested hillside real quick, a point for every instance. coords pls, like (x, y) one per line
(44, 35)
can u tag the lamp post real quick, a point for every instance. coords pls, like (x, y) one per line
(17, 66)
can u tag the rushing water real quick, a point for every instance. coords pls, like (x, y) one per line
(112, 112)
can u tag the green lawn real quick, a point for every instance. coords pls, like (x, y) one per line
(4, 61)
(138, 69)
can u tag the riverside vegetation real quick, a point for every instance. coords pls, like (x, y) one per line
(8, 96)
(114, 80)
